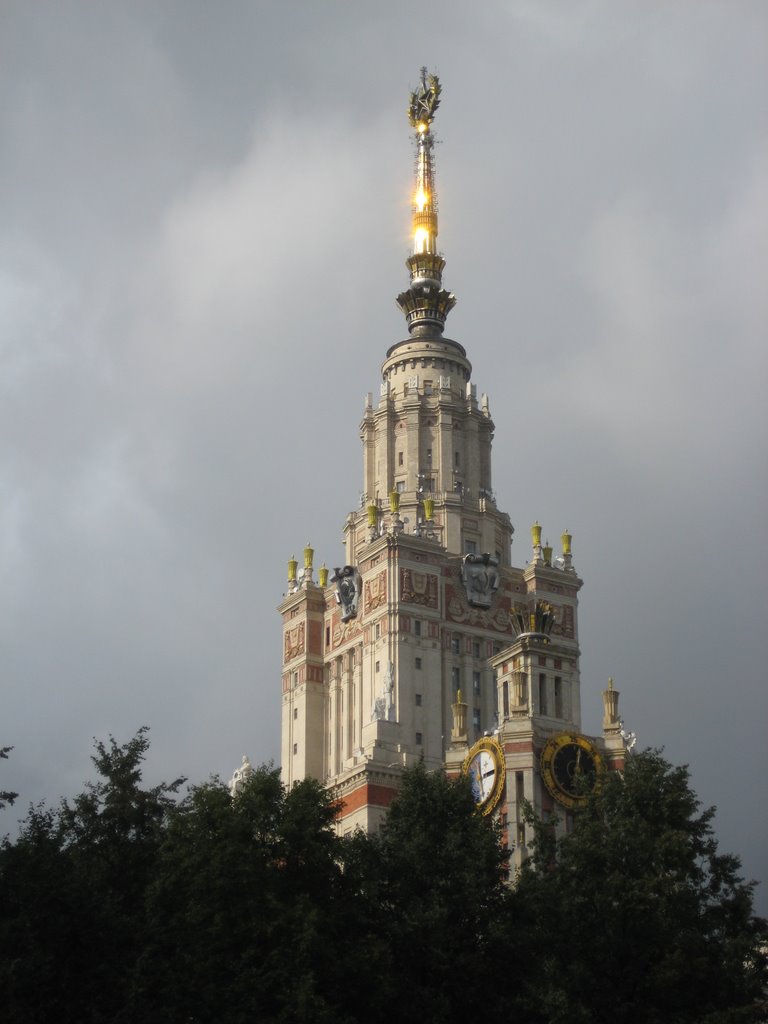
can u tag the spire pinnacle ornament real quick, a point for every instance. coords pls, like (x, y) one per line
(426, 304)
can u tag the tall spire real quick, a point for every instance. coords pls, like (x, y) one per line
(426, 304)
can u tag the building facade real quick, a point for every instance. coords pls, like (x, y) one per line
(428, 643)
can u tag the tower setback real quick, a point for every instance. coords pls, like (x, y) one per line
(428, 643)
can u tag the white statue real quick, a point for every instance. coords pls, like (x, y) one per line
(240, 776)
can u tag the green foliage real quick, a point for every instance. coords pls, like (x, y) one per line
(72, 892)
(634, 916)
(441, 889)
(246, 914)
(126, 905)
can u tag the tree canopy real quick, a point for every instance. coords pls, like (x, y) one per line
(129, 903)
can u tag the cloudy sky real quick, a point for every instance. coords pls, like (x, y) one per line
(204, 211)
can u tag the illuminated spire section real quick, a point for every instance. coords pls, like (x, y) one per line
(426, 304)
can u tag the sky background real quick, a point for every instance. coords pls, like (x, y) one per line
(204, 217)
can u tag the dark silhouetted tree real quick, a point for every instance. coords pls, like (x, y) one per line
(634, 916)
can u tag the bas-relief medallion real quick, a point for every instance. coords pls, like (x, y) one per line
(375, 592)
(294, 642)
(343, 632)
(459, 610)
(418, 588)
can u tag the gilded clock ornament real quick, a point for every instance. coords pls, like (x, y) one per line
(484, 765)
(570, 767)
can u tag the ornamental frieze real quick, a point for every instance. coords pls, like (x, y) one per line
(345, 631)
(375, 591)
(294, 642)
(418, 588)
(459, 610)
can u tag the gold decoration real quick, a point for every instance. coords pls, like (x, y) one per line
(566, 539)
(394, 502)
(484, 764)
(292, 567)
(424, 102)
(323, 574)
(373, 515)
(536, 534)
(547, 553)
(309, 553)
(429, 509)
(571, 766)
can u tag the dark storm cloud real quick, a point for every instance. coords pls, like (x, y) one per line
(204, 224)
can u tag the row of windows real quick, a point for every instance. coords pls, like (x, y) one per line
(456, 458)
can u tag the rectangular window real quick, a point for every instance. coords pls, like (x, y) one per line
(476, 682)
(417, 627)
(456, 460)
(429, 457)
(418, 739)
(455, 678)
(476, 719)
(418, 664)
(475, 648)
(427, 387)
(418, 700)
(377, 666)
(295, 713)
(327, 636)
(505, 698)
(400, 486)
(456, 645)
(399, 458)
(295, 748)
(470, 547)
(542, 694)
(378, 630)
(558, 697)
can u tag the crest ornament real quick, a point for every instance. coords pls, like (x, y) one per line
(480, 576)
(347, 580)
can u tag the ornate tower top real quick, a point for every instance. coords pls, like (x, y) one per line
(426, 304)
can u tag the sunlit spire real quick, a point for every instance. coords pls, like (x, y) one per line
(425, 304)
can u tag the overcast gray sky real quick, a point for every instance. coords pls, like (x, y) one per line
(204, 211)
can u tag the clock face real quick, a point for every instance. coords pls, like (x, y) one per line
(484, 765)
(570, 767)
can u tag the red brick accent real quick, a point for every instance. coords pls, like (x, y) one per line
(315, 642)
(368, 793)
(314, 673)
(521, 747)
